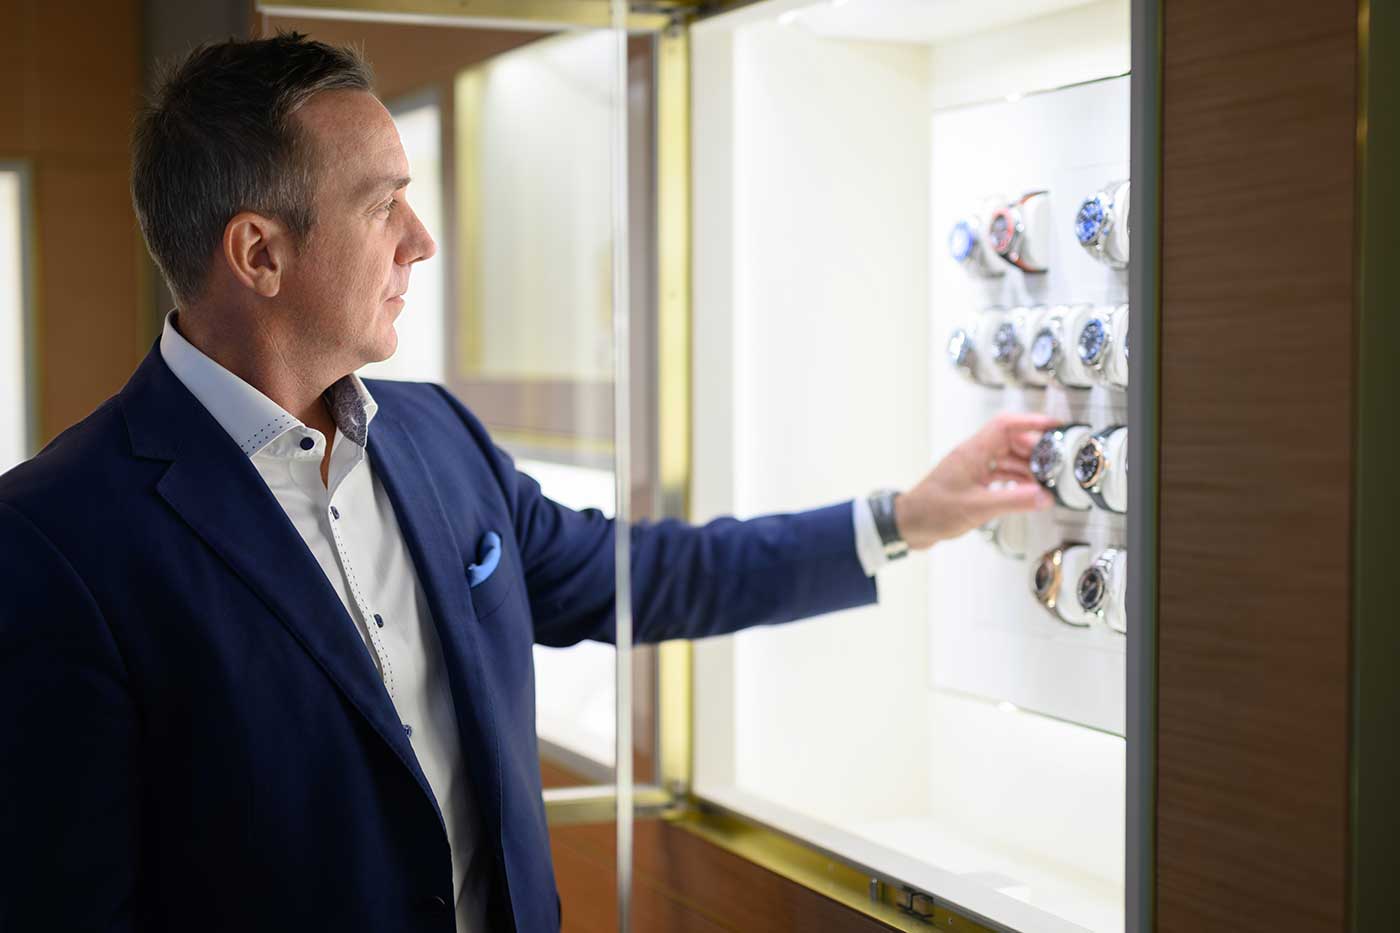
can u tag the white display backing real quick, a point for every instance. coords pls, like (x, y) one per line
(989, 637)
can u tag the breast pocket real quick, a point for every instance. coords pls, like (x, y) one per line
(491, 576)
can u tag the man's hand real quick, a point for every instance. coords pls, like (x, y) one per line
(957, 496)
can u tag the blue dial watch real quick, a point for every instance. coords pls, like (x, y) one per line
(1101, 225)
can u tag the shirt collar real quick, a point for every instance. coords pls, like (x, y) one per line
(252, 419)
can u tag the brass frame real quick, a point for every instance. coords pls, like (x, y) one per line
(1373, 898)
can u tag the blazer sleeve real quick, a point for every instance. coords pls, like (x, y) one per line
(67, 737)
(687, 581)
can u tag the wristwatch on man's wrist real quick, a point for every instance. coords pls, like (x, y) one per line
(882, 508)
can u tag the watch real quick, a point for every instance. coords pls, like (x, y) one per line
(1101, 588)
(1047, 352)
(1101, 225)
(962, 353)
(1048, 577)
(1006, 348)
(1047, 461)
(882, 508)
(1010, 237)
(966, 246)
(1092, 465)
(1095, 340)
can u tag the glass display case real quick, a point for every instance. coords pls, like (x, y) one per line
(856, 230)
(908, 218)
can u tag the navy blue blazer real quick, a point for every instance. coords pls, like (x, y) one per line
(194, 736)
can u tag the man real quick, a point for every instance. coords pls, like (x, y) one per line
(267, 629)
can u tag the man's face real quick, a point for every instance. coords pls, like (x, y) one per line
(346, 284)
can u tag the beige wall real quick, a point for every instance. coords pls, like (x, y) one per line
(72, 78)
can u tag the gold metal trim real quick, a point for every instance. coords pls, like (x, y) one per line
(468, 96)
(673, 141)
(575, 806)
(544, 15)
(869, 895)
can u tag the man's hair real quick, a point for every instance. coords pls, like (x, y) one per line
(218, 138)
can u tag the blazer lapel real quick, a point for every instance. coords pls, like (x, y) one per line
(434, 543)
(217, 491)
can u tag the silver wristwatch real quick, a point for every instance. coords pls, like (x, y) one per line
(882, 508)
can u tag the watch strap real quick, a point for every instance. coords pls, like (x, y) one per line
(882, 510)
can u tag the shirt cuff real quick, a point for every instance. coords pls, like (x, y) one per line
(869, 548)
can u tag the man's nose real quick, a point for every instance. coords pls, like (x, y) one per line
(417, 243)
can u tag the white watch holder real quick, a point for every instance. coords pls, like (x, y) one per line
(970, 348)
(1008, 535)
(1114, 485)
(1115, 367)
(1101, 590)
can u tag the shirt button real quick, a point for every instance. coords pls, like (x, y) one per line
(307, 443)
(335, 512)
(378, 620)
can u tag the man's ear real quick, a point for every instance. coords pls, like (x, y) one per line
(256, 249)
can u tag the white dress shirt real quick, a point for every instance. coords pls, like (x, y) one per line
(350, 527)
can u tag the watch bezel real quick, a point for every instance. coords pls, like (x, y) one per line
(1097, 362)
(1095, 570)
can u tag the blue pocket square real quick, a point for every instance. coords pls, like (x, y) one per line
(488, 555)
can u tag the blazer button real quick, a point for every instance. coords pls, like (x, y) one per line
(436, 903)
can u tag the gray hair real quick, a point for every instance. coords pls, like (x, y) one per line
(218, 138)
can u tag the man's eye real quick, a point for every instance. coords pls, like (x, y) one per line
(389, 205)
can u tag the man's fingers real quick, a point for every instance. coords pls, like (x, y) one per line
(1007, 475)
(1011, 423)
(992, 501)
(1023, 443)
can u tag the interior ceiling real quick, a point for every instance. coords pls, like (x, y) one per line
(922, 21)
(407, 58)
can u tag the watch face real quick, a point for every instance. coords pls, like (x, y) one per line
(1047, 578)
(1002, 230)
(1093, 341)
(962, 241)
(1006, 349)
(1093, 587)
(1045, 459)
(1088, 463)
(1092, 221)
(960, 349)
(1045, 350)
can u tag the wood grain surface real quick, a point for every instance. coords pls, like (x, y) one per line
(681, 884)
(1256, 464)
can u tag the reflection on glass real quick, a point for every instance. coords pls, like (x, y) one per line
(421, 325)
(956, 737)
(14, 395)
(575, 693)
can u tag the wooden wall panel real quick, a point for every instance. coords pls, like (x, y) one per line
(1256, 464)
(71, 71)
(681, 884)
